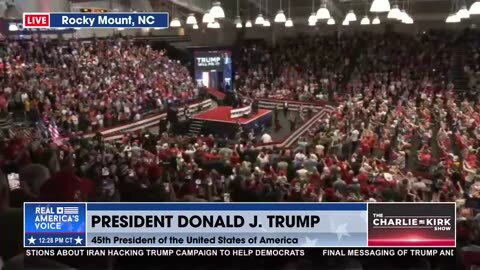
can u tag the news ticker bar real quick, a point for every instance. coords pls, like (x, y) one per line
(96, 20)
(233, 225)
(246, 252)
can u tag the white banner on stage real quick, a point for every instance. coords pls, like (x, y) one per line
(236, 113)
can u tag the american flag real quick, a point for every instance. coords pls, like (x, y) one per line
(53, 131)
(50, 130)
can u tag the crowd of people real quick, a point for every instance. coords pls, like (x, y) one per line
(472, 65)
(399, 133)
(298, 68)
(88, 85)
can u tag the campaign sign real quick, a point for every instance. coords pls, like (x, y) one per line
(54, 224)
(411, 224)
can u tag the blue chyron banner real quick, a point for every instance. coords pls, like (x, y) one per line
(222, 225)
(96, 20)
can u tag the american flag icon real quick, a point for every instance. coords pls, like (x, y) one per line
(67, 210)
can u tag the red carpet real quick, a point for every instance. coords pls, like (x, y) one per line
(222, 114)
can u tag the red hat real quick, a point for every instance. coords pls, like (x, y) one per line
(65, 186)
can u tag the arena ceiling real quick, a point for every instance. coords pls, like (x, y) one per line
(428, 10)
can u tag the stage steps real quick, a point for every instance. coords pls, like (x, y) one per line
(195, 127)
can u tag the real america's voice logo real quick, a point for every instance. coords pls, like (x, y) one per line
(412, 224)
(54, 224)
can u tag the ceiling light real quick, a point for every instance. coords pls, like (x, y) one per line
(407, 19)
(207, 18)
(345, 22)
(376, 20)
(191, 19)
(323, 13)
(351, 17)
(394, 13)
(248, 24)
(259, 20)
(120, 29)
(213, 25)
(365, 20)
(452, 18)
(402, 15)
(312, 20)
(266, 23)
(289, 23)
(380, 6)
(475, 8)
(331, 21)
(175, 22)
(463, 13)
(217, 11)
(12, 27)
(238, 22)
(280, 17)
(195, 26)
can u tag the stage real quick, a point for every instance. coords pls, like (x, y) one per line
(219, 121)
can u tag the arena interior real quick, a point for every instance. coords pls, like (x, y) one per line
(279, 101)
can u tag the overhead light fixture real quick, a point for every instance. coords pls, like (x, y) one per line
(407, 19)
(76, 28)
(463, 13)
(175, 22)
(191, 19)
(248, 24)
(12, 27)
(322, 12)
(207, 18)
(280, 17)
(289, 22)
(312, 20)
(365, 20)
(380, 6)
(331, 21)
(475, 8)
(452, 18)
(259, 20)
(238, 22)
(120, 29)
(238, 19)
(214, 25)
(266, 23)
(217, 11)
(345, 22)
(394, 13)
(351, 17)
(376, 20)
(402, 16)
